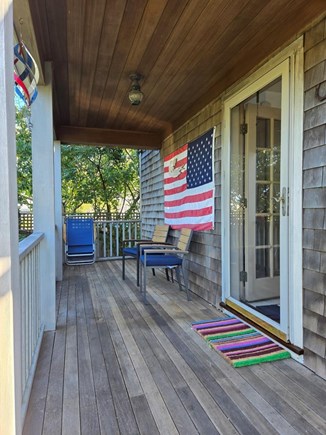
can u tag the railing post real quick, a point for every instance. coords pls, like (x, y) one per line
(111, 250)
(129, 232)
(104, 239)
(117, 239)
(123, 230)
(97, 239)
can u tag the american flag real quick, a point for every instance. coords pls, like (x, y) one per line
(189, 185)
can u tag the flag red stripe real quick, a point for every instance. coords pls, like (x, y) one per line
(189, 213)
(179, 163)
(175, 153)
(174, 179)
(189, 199)
(178, 189)
(199, 227)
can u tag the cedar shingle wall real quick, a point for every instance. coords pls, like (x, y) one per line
(205, 250)
(151, 191)
(314, 201)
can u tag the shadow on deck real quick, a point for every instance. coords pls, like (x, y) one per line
(116, 366)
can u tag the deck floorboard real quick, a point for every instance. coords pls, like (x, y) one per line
(117, 366)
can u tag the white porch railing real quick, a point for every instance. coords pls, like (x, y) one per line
(31, 325)
(110, 234)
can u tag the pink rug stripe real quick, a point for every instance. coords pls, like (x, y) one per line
(239, 343)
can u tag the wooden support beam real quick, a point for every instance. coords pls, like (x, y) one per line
(107, 137)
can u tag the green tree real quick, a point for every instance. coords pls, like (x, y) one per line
(24, 156)
(106, 178)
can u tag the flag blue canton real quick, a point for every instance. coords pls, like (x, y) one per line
(199, 165)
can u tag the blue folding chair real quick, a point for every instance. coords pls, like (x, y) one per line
(80, 247)
(167, 257)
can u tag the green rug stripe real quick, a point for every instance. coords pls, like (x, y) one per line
(251, 361)
(228, 334)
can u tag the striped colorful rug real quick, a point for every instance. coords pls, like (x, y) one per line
(240, 344)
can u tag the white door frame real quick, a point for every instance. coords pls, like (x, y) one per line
(293, 54)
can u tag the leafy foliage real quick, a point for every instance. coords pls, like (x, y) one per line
(106, 178)
(24, 156)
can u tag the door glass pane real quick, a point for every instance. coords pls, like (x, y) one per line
(263, 133)
(262, 198)
(263, 172)
(276, 230)
(277, 134)
(276, 197)
(262, 231)
(276, 164)
(262, 263)
(276, 254)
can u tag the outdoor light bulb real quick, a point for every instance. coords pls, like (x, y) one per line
(135, 94)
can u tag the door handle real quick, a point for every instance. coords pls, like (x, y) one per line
(279, 198)
(282, 199)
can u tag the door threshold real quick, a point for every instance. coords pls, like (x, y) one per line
(232, 309)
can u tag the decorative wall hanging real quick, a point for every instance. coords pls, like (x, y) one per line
(26, 74)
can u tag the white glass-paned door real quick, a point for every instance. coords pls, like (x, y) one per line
(258, 203)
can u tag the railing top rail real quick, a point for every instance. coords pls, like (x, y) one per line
(100, 216)
(117, 221)
(27, 244)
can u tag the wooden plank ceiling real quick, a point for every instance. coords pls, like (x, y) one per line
(188, 51)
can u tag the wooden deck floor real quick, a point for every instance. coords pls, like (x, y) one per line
(115, 366)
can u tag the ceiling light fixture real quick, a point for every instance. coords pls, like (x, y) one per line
(135, 94)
